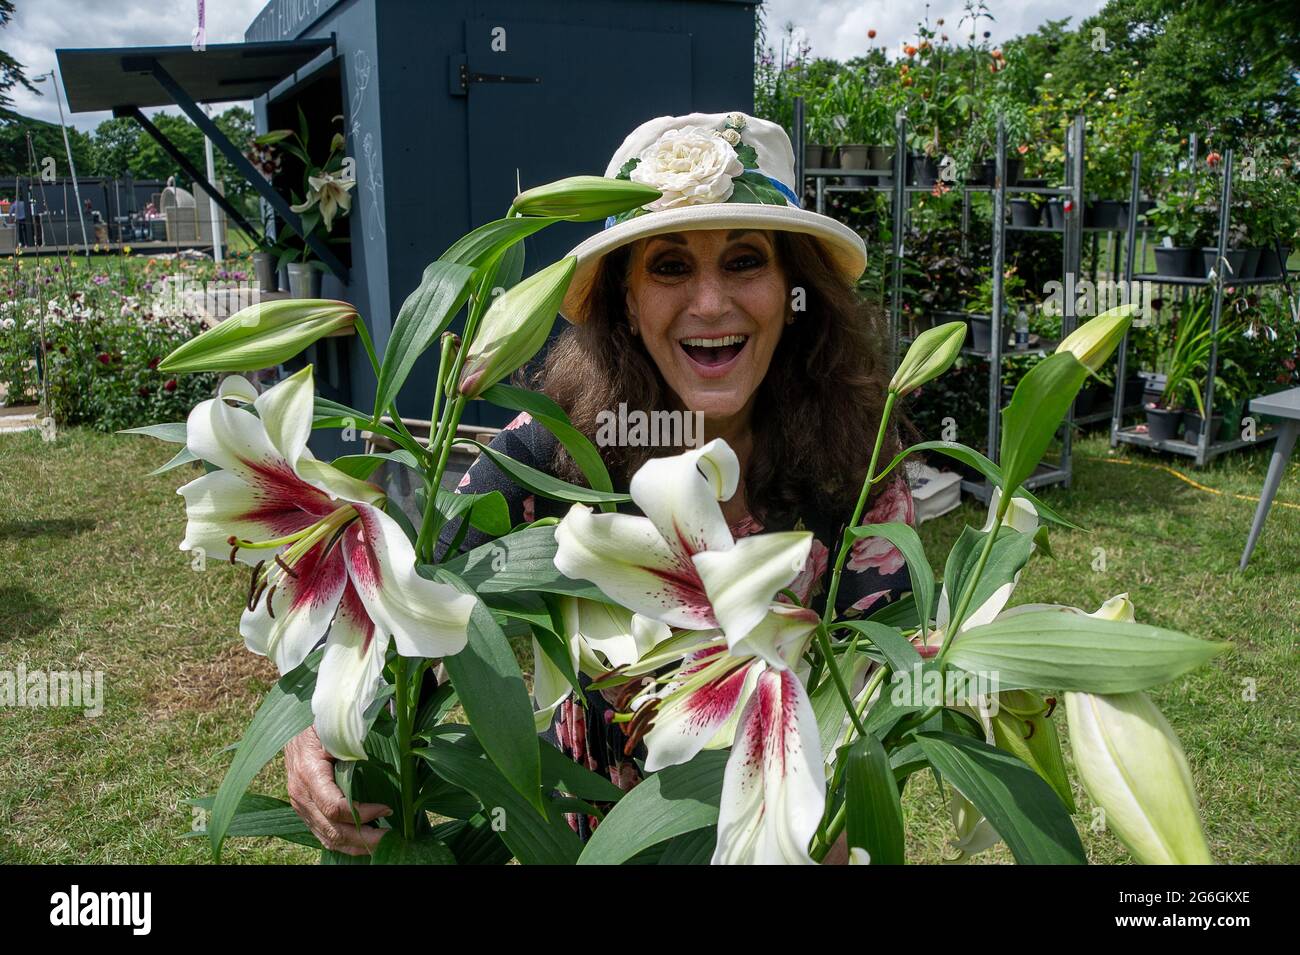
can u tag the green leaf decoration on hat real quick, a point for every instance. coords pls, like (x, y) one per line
(755, 187)
(747, 155)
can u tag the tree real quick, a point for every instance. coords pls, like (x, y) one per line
(11, 71)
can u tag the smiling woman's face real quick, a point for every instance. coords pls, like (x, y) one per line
(710, 306)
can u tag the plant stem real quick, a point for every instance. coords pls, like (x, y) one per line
(824, 644)
(959, 615)
(407, 759)
(845, 545)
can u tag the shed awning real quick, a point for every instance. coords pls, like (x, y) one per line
(220, 73)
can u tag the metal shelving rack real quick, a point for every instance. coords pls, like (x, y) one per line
(1205, 448)
(1072, 245)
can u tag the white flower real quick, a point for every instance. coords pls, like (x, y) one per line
(731, 136)
(736, 120)
(691, 165)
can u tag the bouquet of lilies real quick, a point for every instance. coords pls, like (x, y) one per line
(771, 732)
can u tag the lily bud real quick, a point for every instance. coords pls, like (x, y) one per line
(584, 198)
(1132, 765)
(929, 357)
(1094, 341)
(261, 336)
(1023, 727)
(515, 326)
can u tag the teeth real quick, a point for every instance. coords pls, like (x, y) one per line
(715, 342)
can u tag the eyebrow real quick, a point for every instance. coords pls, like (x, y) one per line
(678, 239)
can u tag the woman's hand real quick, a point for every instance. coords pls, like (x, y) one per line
(321, 803)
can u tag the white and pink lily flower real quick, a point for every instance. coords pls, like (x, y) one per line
(680, 565)
(326, 558)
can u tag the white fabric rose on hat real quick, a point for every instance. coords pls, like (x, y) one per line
(690, 165)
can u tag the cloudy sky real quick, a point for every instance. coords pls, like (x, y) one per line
(835, 28)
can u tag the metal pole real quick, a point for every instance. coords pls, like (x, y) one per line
(899, 211)
(214, 210)
(997, 337)
(1130, 241)
(800, 151)
(72, 167)
(1225, 217)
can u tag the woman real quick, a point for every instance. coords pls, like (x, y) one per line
(721, 298)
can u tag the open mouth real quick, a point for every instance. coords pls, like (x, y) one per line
(714, 353)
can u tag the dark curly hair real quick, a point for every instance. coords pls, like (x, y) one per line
(815, 414)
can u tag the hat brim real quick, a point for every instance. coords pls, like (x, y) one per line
(847, 251)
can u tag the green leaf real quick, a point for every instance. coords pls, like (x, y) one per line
(561, 773)
(1037, 408)
(361, 466)
(173, 432)
(552, 416)
(539, 482)
(1023, 809)
(972, 458)
(489, 512)
(482, 246)
(492, 692)
(474, 842)
(424, 849)
(828, 705)
(535, 839)
(522, 561)
(673, 801)
(756, 187)
(690, 848)
(183, 456)
(1063, 650)
(1010, 552)
(905, 538)
(424, 316)
(747, 155)
(897, 649)
(873, 811)
(261, 816)
(284, 714)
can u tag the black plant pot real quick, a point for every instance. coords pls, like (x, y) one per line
(1090, 398)
(1192, 426)
(880, 157)
(1056, 213)
(1250, 268)
(1163, 424)
(1236, 262)
(1014, 167)
(925, 171)
(1177, 261)
(1025, 213)
(1105, 214)
(1269, 265)
(981, 334)
(1033, 183)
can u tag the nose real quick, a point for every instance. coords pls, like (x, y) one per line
(710, 298)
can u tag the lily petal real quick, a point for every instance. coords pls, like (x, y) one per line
(351, 673)
(628, 559)
(426, 618)
(221, 503)
(781, 636)
(285, 411)
(288, 622)
(680, 495)
(773, 790)
(687, 721)
(741, 581)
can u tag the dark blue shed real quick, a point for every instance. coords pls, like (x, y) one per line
(446, 103)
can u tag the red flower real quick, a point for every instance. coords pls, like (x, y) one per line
(1022, 149)
(104, 358)
(1212, 159)
(143, 392)
(1068, 205)
(171, 385)
(871, 34)
(153, 363)
(909, 50)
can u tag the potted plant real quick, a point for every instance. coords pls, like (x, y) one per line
(1237, 258)
(1267, 202)
(1176, 220)
(325, 198)
(1183, 366)
(980, 308)
(267, 160)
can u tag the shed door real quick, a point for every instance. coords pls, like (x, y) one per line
(596, 85)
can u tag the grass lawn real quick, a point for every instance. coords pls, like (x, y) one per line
(93, 580)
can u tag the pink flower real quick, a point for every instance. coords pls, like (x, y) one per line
(894, 505)
(867, 602)
(521, 419)
(528, 509)
(809, 580)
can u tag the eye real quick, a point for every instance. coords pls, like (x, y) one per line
(745, 261)
(669, 266)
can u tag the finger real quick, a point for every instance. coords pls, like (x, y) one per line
(338, 811)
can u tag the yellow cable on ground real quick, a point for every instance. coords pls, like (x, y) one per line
(1183, 477)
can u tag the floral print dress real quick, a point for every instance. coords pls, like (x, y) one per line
(875, 575)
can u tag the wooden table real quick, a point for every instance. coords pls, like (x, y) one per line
(1285, 405)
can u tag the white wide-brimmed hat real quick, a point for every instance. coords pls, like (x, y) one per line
(716, 171)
